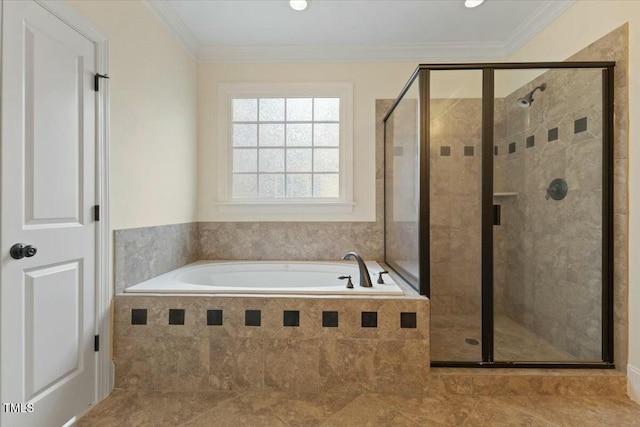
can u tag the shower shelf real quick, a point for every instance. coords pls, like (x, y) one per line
(505, 194)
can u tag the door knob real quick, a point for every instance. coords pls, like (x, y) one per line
(20, 250)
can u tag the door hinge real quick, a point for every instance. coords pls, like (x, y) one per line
(96, 81)
(96, 213)
(96, 343)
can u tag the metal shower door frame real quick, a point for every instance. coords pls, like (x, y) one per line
(422, 73)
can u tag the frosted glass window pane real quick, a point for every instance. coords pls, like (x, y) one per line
(299, 185)
(299, 109)
(272, 185)
(245, 135)
(245, 110)
(271, 160)
(272, 110)
(299, 135)
(245, 186)
(299, 160)
(326, 109)
(271, 135)
(327, 135)
(326, 160)
(326, 185)
(245, 160)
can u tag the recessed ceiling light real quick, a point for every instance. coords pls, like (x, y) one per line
(298, 4)
(473, 3)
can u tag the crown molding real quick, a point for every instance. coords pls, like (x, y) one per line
(418, 52)
(174, 24)
(535, 23)
(428, 52)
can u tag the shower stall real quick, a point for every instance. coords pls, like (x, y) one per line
(499, 208)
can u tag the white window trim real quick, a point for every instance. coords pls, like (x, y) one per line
(228, 91)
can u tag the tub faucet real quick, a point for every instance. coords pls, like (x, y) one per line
(365, 279)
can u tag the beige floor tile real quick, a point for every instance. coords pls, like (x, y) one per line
(619, 412)
(368, 410)
(503, 412)
(254, 408)
(151, 408)
(446, 409)
(564, 411)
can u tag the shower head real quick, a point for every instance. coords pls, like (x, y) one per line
(527, 100)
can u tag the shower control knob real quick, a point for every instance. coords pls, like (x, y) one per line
(20, 250)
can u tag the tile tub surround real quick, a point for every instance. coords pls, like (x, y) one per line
(302, 240)
(144, 253)
(147, 252)
(192, 343)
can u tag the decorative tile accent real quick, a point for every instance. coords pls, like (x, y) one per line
(176, 316)
(468, 150)
(531, 141)
(445, 150)
(408, 320)
(552, 135)
(512, 147)
(580, 125)
(369, 319)
(252, 317)
(329, 319)
(138, 316)
(291, 318)
(495, 150)
(214, 317)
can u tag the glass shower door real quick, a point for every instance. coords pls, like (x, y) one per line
(548, 196)
(455, 135)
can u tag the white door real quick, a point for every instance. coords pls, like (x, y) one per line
(48, 186)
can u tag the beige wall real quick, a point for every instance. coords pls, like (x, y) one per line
(585, 22)
(153, 90)
(371, 81)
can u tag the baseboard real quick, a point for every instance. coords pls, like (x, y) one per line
(633, 383)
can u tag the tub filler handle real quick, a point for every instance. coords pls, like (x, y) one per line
(349, 282)
(380, 279)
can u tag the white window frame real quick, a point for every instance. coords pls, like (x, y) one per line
(228, 91)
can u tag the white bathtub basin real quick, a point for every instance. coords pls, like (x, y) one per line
(267, 277)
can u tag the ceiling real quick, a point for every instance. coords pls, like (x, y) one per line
(355, 30)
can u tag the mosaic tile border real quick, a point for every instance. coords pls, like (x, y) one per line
(291, 318)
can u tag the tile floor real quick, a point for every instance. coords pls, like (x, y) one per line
(218, 408)
(513, 342)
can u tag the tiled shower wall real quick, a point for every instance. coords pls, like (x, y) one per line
(455, 206)
(615, 47)
(552, 283)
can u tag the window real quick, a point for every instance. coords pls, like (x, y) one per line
(286, 144)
